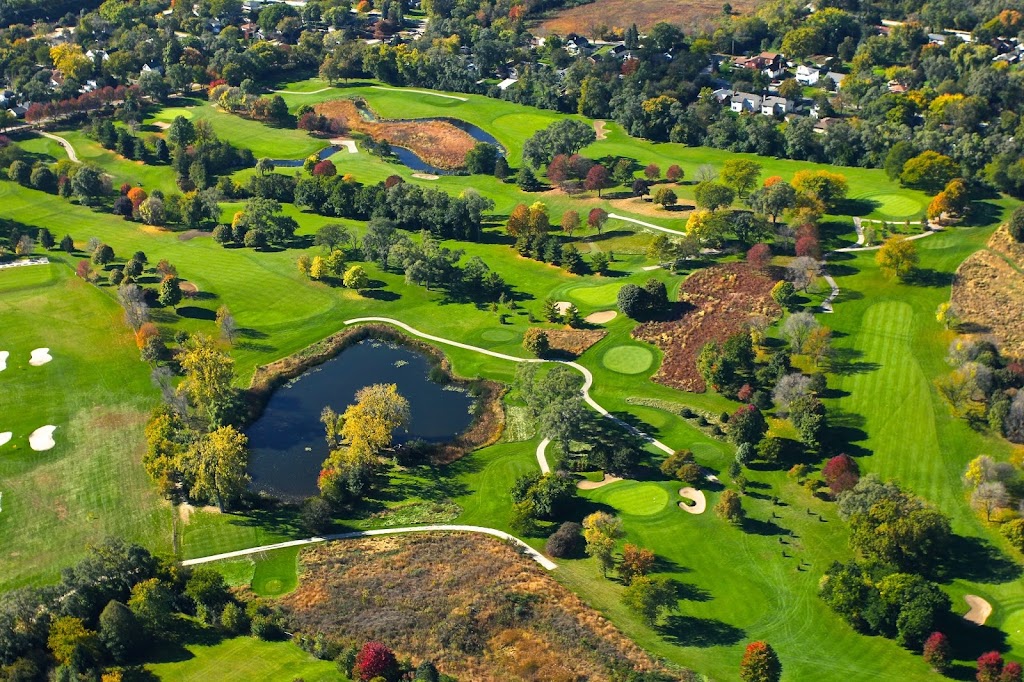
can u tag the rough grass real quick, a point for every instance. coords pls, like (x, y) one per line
(715, 303)
(439, 143)
(574, 342)
(988, 291)
(587, 19)
(471, 603)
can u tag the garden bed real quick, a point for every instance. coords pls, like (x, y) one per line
(472, 604)
(720, 300)
(573, 342)
(988, 292)
(488, 419)
(438, 143)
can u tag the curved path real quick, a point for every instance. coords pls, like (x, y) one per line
(421, 92)
(652, 226)
(63, 143)
(534, 554)
(293, 92)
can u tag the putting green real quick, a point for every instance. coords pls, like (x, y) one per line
(602, 295)
(1013, 626)
(896, 205)
(498, 334)
(628, 359)
(638, 499)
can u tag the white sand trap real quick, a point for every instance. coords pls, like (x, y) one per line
(350, 145)
(3, 359)
(42, 438)
(426, 176)
(648, 268)
(700, 503)
(980, 609)
(5, 437)
(599, 130)
(40, 356)
(592, 485)
(562, 306)
(601, 317)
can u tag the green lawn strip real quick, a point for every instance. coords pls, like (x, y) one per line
(147, 175)
(57, 502)
(242, 659)
(276, 572)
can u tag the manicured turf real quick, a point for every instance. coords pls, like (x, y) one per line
(633, 498)
(627, 359)
(244, 659)
(95, 390)
(497, 334)
(896, 205)
(276, 573)
(600, 295)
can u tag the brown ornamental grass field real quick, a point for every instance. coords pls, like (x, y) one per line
(605, 16)
(439, 143)
(988, 292)
(472, 604)
(721, 300)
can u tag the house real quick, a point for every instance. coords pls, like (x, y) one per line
(576, 44)
(93, 54)
(836, 78)
(936, 39)
(741, 102)
(146, 68)
(722, 94)
(507, 83)
(822, 125)
(807, 75)
(776, 106)
(18, 111)
(618, 50)
(772, 64)
(896, 87)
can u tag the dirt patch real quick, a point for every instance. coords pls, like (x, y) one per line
(596, 17)
(601, 317)
(715, 303)
(594, 485)
(679, 212)
(162, 125)
(191, 234)
(988, 292)
(188, 289)
(472, 604)
(438, 143)
(599, 130)
(574, 341)
(153, 229)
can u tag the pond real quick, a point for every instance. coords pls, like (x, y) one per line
(286, 444)
(409, 158)
(324, 153)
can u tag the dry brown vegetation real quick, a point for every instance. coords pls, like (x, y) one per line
(988, 292)
(439, 143)
(721, 300)
(472, 604)
(573, 341)
(615, 16)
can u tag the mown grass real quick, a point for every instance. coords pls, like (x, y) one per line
(91, 484)
(243, 659)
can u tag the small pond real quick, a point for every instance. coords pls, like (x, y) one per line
(287, 443)
(324, 153)
(409, 158)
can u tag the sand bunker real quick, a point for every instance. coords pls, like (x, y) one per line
(42, 438)
(562, 306)
(5, 437)
(599, 130)
(601, 317)
(699, 502)
(592, 485)
(350, 145)
(980, 609)
(3, 359)
(426, 176)
(40, 356)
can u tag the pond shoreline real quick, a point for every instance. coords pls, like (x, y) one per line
(488, 416)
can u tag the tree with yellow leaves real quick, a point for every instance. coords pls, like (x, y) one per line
(69, 59)
(209, 373)
(215, 466)
(601, 530)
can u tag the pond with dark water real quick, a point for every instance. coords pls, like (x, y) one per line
(287, 445)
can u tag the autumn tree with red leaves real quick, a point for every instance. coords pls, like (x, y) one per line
(990, 667)
(375, 659)
(760, 663)
(841, 473)
(937, 652)
(759, 255)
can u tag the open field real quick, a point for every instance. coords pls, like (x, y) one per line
(97, 394)
(586, 19)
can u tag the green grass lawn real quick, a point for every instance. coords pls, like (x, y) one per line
(97, 393)
(627, 359)
(243, 659)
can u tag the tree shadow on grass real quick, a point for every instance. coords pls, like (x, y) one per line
(982, 213)
(182, 632)
(928, 277)
(764, 528)
(847, 362)
(979, 561)
(969, 641)
(250, 333)
(691, 592)
(700, 632)
(196, 313)
(380, 294)
(856, 207)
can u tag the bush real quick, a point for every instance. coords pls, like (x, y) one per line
(234, 620)
(1016, 224)
(374, 660)
(632, 301)
(566, 542)
(266, 628)
(536, 341)
(316, 515)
